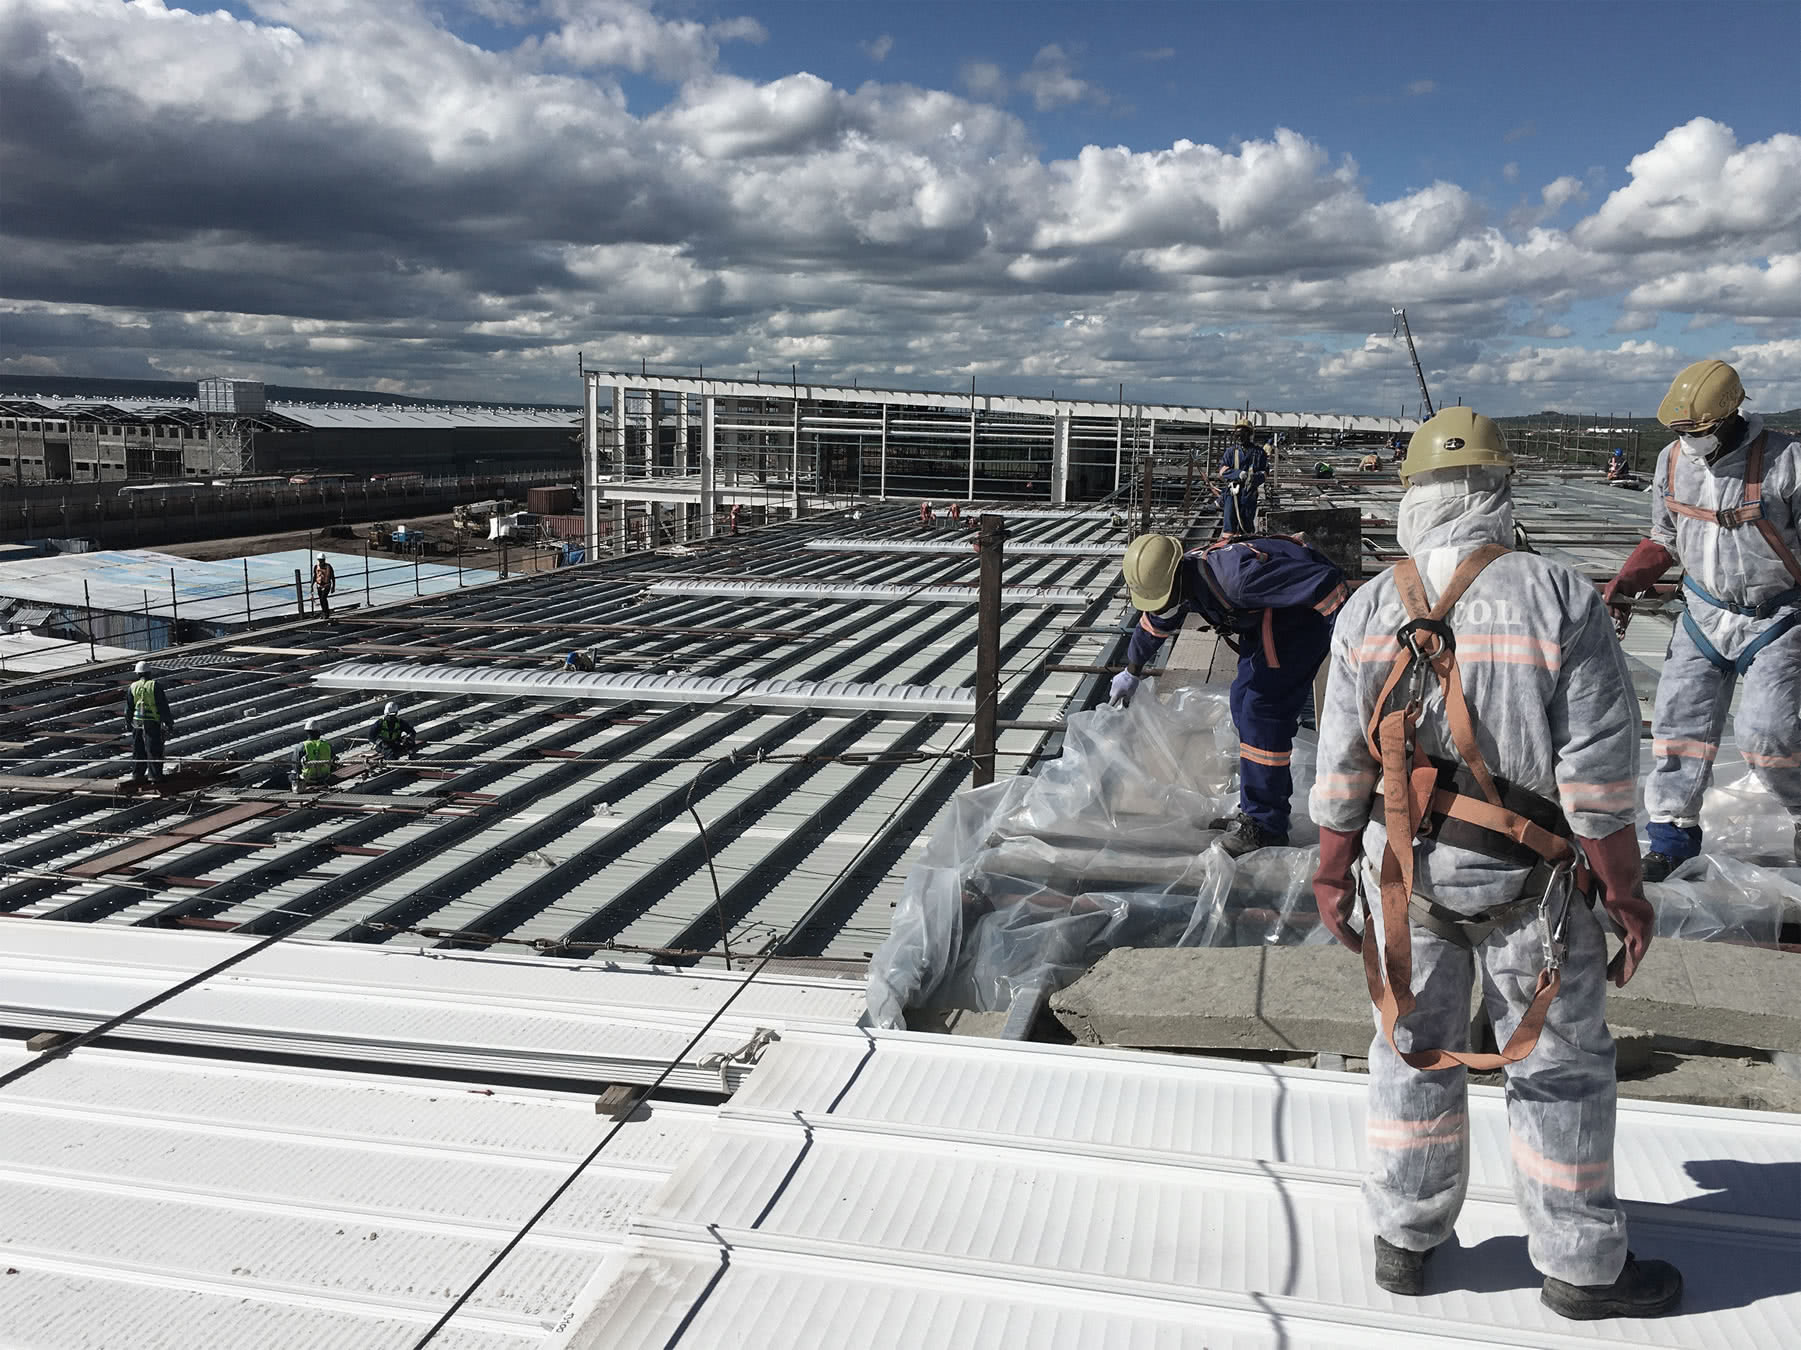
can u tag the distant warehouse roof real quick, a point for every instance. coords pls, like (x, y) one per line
(322, 416)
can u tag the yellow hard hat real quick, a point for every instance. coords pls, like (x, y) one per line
(1452, 439)
(1242, 423)
(1151, 562)
(1701, 397)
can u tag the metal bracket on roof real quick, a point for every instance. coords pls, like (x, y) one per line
(747, 1054)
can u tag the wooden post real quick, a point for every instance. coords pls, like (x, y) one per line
(989, 543)
(299, 594)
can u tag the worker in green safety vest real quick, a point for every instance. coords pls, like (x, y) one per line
(148, 722)
(311, 763)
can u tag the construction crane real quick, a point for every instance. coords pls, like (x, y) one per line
(1402, 331)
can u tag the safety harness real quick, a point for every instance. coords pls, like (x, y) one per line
(1749, 511)
(1467, 805)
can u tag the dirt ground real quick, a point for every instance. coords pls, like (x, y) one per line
(213, 550)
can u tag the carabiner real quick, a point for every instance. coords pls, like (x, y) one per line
(1550, 935)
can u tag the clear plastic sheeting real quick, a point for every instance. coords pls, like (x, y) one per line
(1028, 882)
(1745, 885)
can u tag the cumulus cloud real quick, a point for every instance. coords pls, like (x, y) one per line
(1698, 185)
(877, 49)
(345, 193)
(1511, 171)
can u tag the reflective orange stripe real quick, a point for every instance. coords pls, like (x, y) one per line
(1275, 759)
(1383, 649)
(1332, 599)
(1345, 786)
(1597, 796)
(1144, 622)
(1686, 749)
(1771, 761)
(1512, 649)
(1405, 1134)
(1591, 1176)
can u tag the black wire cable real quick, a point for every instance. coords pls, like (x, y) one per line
(513, 1243)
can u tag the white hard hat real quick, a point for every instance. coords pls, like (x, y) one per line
(390, 708)
(142, 668)
(312, 724)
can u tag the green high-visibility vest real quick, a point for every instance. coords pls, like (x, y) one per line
(143, 700)
(317, 768)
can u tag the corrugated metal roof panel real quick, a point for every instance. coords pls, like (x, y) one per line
(868, 1188)
(153, 1201)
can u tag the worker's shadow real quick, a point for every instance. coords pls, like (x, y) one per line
(1721, 1269)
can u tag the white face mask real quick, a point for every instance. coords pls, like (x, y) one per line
(1700, 447)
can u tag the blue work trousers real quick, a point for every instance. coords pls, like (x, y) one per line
(1238, 510)
(1267, 700)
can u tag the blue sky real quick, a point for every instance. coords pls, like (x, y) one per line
(455, 196)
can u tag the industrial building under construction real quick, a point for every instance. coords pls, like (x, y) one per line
(556, 1033)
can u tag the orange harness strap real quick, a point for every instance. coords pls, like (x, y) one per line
(1748, 512)
(1412, 792)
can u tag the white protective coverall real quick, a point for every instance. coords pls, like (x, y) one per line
(1739, 567)
(1548, 689)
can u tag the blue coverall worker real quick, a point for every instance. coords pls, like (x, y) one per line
(1274, 597)
(1242, 470)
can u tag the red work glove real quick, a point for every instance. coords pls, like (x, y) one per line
(1642, 571)
(1333, 892)
(1614, 861)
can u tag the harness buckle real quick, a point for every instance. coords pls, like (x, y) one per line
(1727, 517)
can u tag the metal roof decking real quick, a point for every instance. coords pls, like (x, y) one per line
(535, 819)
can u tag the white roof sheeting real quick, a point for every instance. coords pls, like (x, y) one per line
(897, 1189)
(544, 1017)
(164, 1203)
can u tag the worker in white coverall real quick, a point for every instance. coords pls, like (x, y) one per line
(1725, 501)
(1505, 749)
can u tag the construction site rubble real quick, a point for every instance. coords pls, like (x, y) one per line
(1031, 880)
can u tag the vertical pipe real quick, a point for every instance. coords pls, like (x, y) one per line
(590, 470)
(884, 493)
(795, 502)
(989, 543)
(709, 466)
(367, 602)
(299, 594)
(174, 610)
(247, 615)
(971, 494)
(416, 590)
(1119, 436)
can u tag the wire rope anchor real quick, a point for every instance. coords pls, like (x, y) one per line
(747, 1054)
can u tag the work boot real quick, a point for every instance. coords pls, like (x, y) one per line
(1243, 835)
(1657, 866)
(1400, 1271)
(1644, 1289)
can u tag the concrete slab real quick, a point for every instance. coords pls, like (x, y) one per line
(1221, 998)
(1312, 999)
